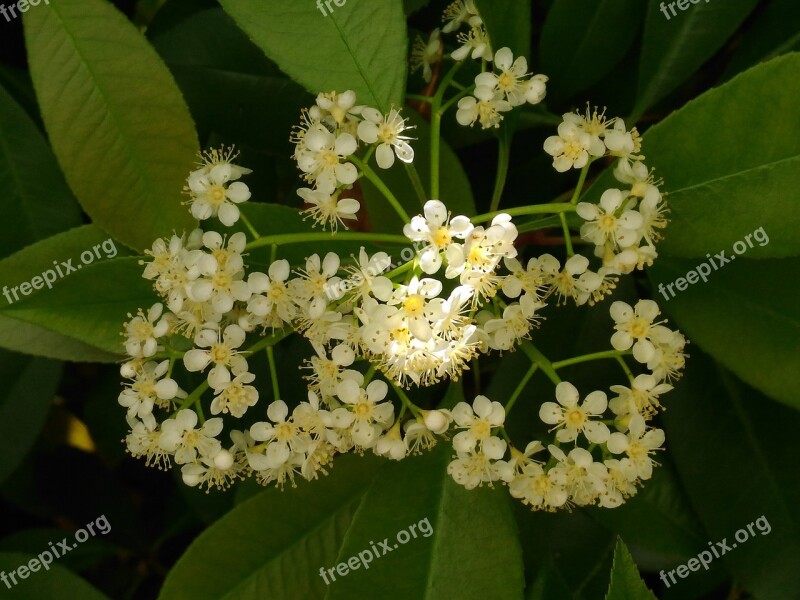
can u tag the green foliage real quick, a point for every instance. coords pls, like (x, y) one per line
(45, 585)
(626, 584)
(508, 24)
(126, 170)
(366, 43)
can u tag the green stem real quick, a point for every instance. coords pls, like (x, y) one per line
(346, 236)
(588, 357)
(520, 387)
(567, 235)
(535, 209)
(194, 396)
(378, 183)
(502, 172)
(415, 410)
(540, 359)
(268, 341)
(625, 368)
(399, 270)
(273, 374)
(436, 128)
(416, 182)
(446, 106)
(420, 97)
(581, 180)
(248, 224)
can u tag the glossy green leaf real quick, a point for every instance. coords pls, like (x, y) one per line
(37, 201)
(28, 390)
(84, 307)
(735, 454)
(116, 120)
(626, 584)
(508, 24)
(674, 47)
(751, 328)
(438, 533)
(49, 584)
(722, 187)
(274, 545)
(359, 45)
(581, 42)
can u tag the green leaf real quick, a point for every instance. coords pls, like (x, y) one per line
(721, 188)
(626, 584)
(412, 6)
(508, 24)
(225, 77)
(773, 32)
(85, 307)
(675, 48)
(49, 584)
(581, 42)
(751, 328)
(733, 450)
(360, 45)
(117, 122)
(451, 531)
(274, 545)
(37, 202)
(82, 557)
(29, 385)
(455, 189)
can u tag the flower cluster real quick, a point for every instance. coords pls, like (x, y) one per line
(328, 136)
(619, 442)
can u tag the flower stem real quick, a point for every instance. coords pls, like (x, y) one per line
(268, 341)
(273, 374)
(502, 171)
(542, 361)
(535, 209)
(249, 225)
(581, 180)
(378, 183)
(436, 128)
(588, 357)
(416, 182)
(347, 236)
(625, 368)
(420, 98)
(405, 399)
(526, 378)
(567, 235)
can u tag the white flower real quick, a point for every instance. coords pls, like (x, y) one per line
(472, 469)
(542, 490)
(317, 282)
(604, 226)
(143, 442)
(321, 155)
(391, 444)
(438, 231)
(634, 327)
(572, 418)
(458, 12)
(222, 282)
(328, 210)
(475, 43)
(527, 284)
(584, 478)
(620, 482)
(622, 143)
(511, 329)
(150, 387)
(272, 300)
(387, 132)
(425, 54)
(510, 81)
(180, 436)
(641, 397)
(283, 435)
(365, 276)
(340, 107)
(485, 106)
(535, 89)
(370, 416)
(142, 331)
(221, 350)
(478, 421)
(572, 146)
(213, 194)
(235, 396)
(638, 445)
(412, 300)
(575, 280)
(669, 357)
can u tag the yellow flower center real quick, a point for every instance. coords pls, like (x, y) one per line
(414, 304)
(220, 353)
(442, 237)
(216, 195)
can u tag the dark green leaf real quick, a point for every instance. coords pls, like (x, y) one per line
(508, 24)
(626, 584)
(49, 584)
